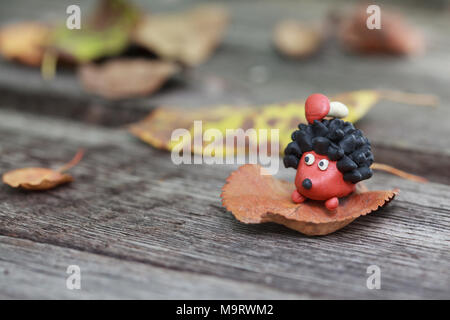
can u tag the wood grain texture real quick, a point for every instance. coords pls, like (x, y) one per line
(36, 270)
(141, 227)
(130, 203)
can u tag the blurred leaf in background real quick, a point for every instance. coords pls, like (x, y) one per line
(396, 36)
(295, 39)
(188, 37)
(106, 33)
(24, 42)
(143, 77)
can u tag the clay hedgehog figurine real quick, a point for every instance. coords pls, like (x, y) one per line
(330, 155)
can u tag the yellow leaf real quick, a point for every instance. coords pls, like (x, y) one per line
(157, 128)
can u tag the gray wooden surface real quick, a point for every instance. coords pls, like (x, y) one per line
(140, 227)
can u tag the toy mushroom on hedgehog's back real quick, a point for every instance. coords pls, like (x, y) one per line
(330, 156)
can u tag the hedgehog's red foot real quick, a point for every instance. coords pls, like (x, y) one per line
(332, 203)
(297, 197)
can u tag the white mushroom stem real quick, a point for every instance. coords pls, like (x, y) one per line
(337, 110)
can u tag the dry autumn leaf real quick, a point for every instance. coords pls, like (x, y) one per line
(40, 178)
(188, 37)
(123, 78)
(24, 42)
(395, 37)
(256, 198)
(106, 33)
(297, 40)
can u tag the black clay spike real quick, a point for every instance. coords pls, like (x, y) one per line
(294, 149)
(320, 145)
(366, 172)
(359, 142)
(348, 144)
(336, 135)
(348, 126)
(346, 164)
(353, 176)
(294, 135)
(359, 158)
(340, 123)
(291, 161)
(348, 131)
(319, 129)
(304, 140)
(333, 125)
(335, 153)
(334, 145)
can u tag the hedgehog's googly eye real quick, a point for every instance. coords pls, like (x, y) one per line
(309, 159)
(323, 164)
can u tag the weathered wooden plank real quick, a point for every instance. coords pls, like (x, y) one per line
(30, 270)
(130, 202)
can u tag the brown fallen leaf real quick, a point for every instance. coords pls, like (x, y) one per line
(188, 37)
(256, 198)
(41, 178)
(24, 42)
(396, 36)
(123, 78)
(297, 40)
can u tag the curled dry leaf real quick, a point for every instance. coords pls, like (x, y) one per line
(297, 40)
(188, 37)
(122, 78)
(396, 36)
(35, 178)
(41, 178)
(256, 198)
(24, 42)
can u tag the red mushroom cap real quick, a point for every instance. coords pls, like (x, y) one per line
(317, 106)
